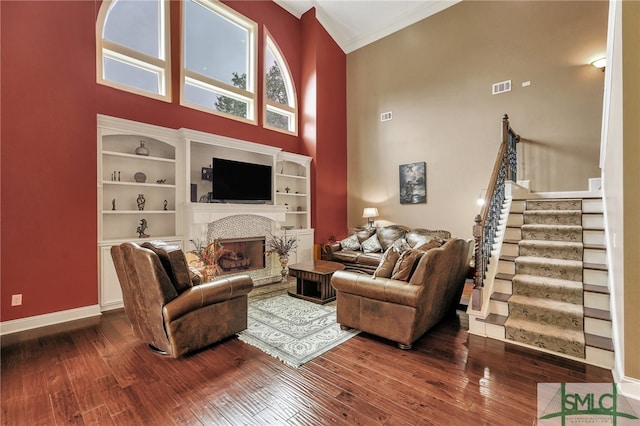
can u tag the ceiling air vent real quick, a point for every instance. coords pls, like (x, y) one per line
(503, 86)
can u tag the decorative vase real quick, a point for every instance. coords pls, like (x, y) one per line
(284, 261)
(141, 201)
(142, 150)
(210, 271)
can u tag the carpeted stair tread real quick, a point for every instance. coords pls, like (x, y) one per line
(547, 311)
(570, 342)
(553, 217)
(547, 304)
(554, 204)
(552, 232)
(568, 250)
(546, 287)
(554, 268)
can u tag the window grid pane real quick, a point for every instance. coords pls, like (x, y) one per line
(132, 76)
(210, 98)
(278, 120)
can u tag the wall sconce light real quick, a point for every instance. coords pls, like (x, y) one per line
(370, 213)
(600, 63)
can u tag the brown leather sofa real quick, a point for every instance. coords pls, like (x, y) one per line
(403, 311)
(363, 259)
(166, 310)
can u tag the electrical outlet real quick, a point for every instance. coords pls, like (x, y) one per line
(16, 299)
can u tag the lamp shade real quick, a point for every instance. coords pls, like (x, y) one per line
(370, 212)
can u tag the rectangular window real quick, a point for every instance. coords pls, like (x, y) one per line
(218, 60)
(131, 75)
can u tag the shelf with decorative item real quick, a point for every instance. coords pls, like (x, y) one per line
(137, 157)
(138, 212)
(291, 176)
(136, 225)
(139, 184)
(290, 194)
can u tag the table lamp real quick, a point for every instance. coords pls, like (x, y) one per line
(370, 213)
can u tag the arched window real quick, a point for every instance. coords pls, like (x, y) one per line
(132, 47)
(219, 60)
(279, 94)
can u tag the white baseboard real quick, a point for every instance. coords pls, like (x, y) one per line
(29, 323)
(630, 388)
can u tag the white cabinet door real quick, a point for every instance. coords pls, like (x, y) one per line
(110, 293)
(305, 246)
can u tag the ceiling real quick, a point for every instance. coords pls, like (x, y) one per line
(356, 23)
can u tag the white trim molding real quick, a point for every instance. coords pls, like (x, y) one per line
(37, 321)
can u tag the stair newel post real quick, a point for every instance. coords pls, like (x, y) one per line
(476, 294)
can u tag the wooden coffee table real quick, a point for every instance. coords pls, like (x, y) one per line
(313, 280)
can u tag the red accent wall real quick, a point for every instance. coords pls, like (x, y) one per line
(324, 136)
(48, 154)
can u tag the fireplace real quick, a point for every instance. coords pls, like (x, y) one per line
(241, 255)
(232, 223)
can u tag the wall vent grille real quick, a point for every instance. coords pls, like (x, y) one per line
(386, 116)
(501, 87)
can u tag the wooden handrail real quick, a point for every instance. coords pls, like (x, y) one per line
(486, 222)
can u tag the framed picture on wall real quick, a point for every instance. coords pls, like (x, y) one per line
(413, 183)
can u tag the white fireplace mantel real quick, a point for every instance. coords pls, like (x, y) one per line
(205, 213)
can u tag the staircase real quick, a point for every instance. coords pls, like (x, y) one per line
(550, 290)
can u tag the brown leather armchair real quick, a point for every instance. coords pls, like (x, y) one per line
(166, 310)
(399, 310)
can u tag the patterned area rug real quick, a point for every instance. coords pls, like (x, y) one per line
(292, 330)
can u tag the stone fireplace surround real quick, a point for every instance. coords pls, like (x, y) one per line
(207, 221)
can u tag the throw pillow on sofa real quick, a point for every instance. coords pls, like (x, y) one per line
(390, 258)
(364, 233)
(406, 264)
(350, 243)
(428, 246)
(387, 263)
(371, 245)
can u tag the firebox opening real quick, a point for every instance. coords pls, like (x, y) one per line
(242, 254)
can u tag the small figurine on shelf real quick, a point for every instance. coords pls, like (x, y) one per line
(141, 228)
(113, 204)
(287, 189)
(141, 201)
(161, 181)
(164, 205)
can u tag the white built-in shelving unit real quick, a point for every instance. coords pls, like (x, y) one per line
(165, 177)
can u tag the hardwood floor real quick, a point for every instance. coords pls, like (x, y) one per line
(96, 372)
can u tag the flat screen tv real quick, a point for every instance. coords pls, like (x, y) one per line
(237, 181)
